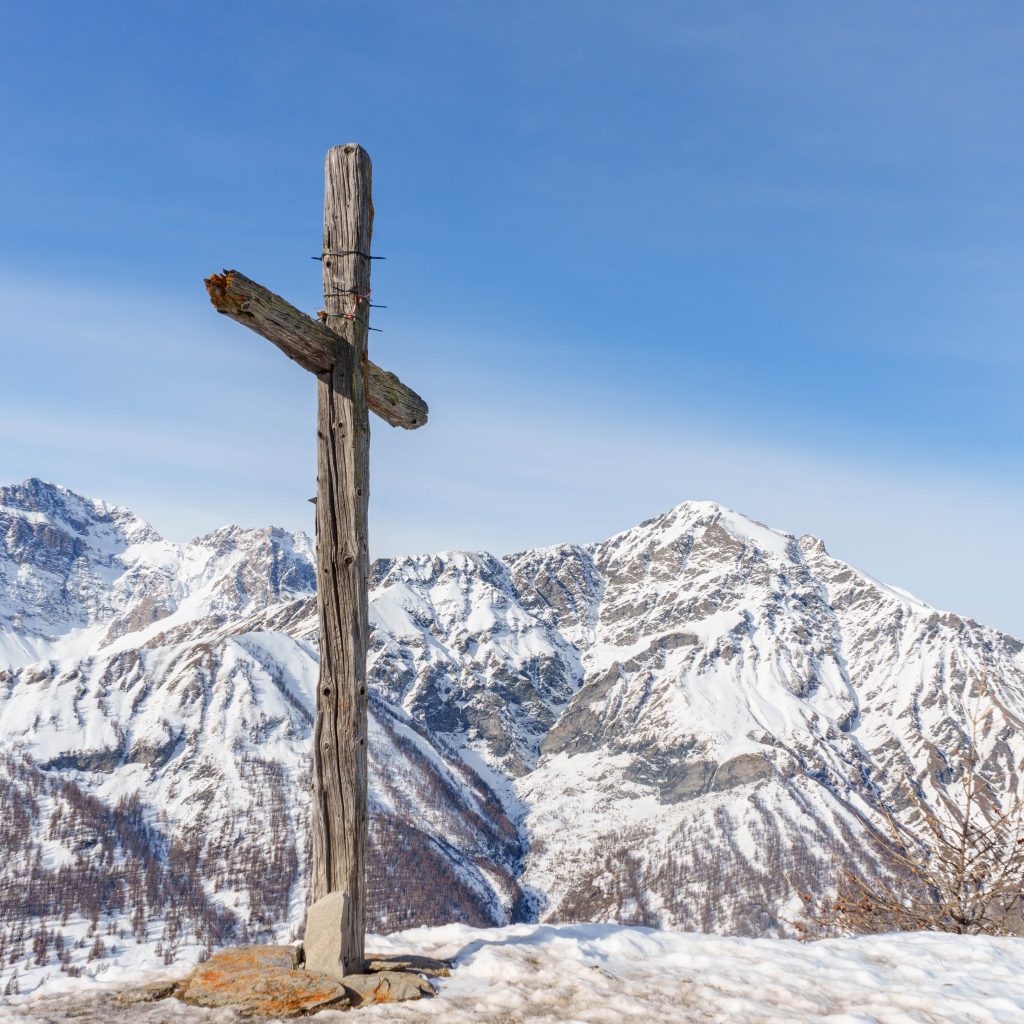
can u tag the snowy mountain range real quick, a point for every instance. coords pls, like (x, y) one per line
(671, 727)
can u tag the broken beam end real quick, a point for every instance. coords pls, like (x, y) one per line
(313, 345)
(224, 299)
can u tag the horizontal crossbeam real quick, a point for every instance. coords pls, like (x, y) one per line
(310, 343)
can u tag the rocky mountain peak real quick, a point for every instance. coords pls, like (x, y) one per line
(80, 572)
(664, 727)
(96, 524)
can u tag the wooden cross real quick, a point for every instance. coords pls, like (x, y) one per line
(348, 384)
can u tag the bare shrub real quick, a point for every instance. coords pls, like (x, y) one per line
(956, 867)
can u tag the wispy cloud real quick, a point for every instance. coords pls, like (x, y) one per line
(194, 423)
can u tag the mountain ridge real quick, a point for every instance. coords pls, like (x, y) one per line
(664, 727)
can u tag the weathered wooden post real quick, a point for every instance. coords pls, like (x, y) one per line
(347, 385)
(339, 809)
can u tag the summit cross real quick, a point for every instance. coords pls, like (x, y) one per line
(348, 385)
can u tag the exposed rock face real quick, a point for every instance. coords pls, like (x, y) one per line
(659, 729)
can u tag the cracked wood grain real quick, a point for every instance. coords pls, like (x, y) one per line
(311, 344)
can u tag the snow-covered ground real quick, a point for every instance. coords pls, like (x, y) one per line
(536, 974)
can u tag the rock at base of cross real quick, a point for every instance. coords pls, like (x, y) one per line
(427, 966)
(385, 987)
(152, 992)
(271, 981)
(321, 946)
(261, 980)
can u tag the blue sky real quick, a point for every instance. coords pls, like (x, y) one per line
(766, 254)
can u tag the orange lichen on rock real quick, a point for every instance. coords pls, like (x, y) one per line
(268, 981)
(261, 980)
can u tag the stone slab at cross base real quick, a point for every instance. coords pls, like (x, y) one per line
(263, 981)
(378, 979)
(428, 966)
(322, 941)
(153, 992)
(385, 987)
